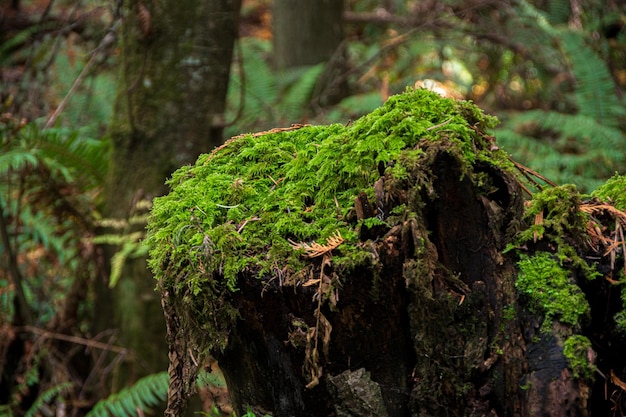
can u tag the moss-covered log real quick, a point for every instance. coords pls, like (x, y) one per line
(389, 268)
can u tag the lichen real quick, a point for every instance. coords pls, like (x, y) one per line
(236, 209)
(578, 352)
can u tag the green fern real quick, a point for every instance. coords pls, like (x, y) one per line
(595, 90)
(16, 160)
(68, 153)
(583, 148)
(558, 11)
(300, 83)
(271, 98)
(565, 148)
(149, 391)
(46, 397)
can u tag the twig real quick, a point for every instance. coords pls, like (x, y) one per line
(73, 339)
(108, 40)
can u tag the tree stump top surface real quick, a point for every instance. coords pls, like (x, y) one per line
(361, 269)
(261, 201)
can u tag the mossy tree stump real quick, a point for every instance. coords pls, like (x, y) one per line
(384, 268)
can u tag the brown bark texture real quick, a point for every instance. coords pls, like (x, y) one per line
(310, 32)
(431, 320)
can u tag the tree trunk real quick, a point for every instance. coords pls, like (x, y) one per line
(309, 32)
(175, 60)
(439, 293)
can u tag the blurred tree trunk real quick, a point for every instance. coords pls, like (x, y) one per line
(175, 62)
(309, 32)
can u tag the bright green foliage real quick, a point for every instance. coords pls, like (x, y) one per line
(613, 190)
(237, 208)
(561, 222)
(148, 392)
(261, 96)
(549, 287)
(46, 397)
(586, 146)
(577, 349)
(560, 215)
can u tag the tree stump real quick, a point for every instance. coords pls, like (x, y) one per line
(385, 268)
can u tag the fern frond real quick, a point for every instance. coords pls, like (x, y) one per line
(64, 150)
(299, 90)
(565, 148)
(47, 396)
(595, 89)
(558, 11)
(16, 160)
(148, 392)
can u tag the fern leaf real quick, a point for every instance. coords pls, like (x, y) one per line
(46, 397)
(17, 159)
(595, 90)
(148, 392)
(298, 93)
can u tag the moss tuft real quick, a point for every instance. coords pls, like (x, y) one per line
(614, 190)
(549, 287)
(577, 349)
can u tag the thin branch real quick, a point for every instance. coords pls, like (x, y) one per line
(74, 339)
(109, 39)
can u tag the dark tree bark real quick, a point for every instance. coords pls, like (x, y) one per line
(175, 60)
(309, 32)
(421, 341)
(306, 32)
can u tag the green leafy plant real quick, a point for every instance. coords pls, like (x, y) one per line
(149, 391)
(261, 97)
(41, 172)
(577, 349)
(583, 145)
(46, 397)
(126, 236)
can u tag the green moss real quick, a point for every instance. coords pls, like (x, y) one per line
(577, 350)
(554, 215)
(550, 289)
(614, 190)
(559, 208)
(236, 209)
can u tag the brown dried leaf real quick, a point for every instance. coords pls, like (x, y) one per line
(315, 249)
